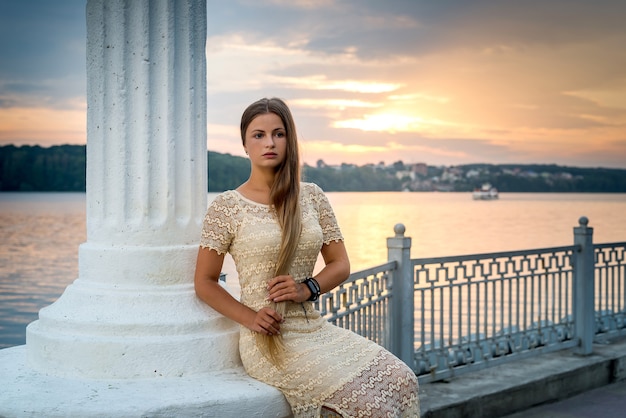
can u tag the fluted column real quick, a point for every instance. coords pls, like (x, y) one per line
(133, 312)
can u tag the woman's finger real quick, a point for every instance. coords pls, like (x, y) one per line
(280, 282)
(271, 327)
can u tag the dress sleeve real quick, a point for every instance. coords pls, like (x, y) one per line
(328, 222)
(218, 226)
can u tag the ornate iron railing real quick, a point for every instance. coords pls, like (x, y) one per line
(486, 308)
(361, 303)
(475, 311)
(610, 289)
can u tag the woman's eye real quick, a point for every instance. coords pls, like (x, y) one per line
(280, 134)
(258, 135)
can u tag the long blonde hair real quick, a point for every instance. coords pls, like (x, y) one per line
(285, 198)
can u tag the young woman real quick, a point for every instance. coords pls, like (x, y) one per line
(274, 227)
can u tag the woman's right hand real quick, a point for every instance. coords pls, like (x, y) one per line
(206, 280)
(267, 321)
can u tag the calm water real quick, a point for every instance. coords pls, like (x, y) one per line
(40, 234)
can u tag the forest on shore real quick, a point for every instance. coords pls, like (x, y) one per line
(62, 168)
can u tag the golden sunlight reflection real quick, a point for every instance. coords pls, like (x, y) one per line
(40, 235)
(49, 227)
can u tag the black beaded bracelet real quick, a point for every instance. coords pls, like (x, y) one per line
(314, 287)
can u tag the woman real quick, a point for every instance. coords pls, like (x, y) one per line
(274, 227)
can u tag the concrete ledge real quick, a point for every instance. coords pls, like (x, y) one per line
(514, 387)
(229, 393)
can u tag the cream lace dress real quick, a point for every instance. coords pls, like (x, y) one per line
(324, 365)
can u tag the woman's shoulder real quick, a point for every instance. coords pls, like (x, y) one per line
(235, 201)
(227, 198)
(311, 188)
(313, 193)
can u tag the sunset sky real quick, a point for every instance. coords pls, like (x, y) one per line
(440, 82)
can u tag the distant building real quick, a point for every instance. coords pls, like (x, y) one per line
(420, 168)
(472, 173)
(405, 173)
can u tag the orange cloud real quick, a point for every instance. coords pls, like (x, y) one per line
(321, 82)
(44, 126)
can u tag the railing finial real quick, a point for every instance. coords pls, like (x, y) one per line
(399, 229)
(583, 221)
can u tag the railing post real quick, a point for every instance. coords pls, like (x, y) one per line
(402, 300)
(584, 287)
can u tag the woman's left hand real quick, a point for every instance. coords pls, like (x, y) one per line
(282, 288)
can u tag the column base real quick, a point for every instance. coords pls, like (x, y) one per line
(226, 393)
(127, 332)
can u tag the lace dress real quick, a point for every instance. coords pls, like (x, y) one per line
(324, 365)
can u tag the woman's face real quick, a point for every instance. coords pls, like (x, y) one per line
(266, 141)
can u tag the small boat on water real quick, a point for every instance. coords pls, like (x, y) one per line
(486, 192)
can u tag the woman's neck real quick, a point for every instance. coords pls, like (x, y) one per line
(257, 188)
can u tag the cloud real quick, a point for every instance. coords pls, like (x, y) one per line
(42, 72)
(43, 126)
(321, 82)
(430, 81)
(43, 49)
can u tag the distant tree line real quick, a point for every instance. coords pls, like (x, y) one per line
(550, 178)
(63, 168)
(227, 172)
(348, 178)
(34, 168)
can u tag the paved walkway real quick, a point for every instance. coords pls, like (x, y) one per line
(560, 385)
(606, 402)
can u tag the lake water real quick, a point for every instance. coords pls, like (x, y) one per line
(40, 234)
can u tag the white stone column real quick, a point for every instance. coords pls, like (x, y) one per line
(129, 338)
(133, 312)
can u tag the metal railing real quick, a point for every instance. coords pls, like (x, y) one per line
(361, 303)
(610, 289)
(446, 316)
(489, 308)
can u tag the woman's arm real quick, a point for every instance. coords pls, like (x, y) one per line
(337, 268)
(335, 272)
(208, 268)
